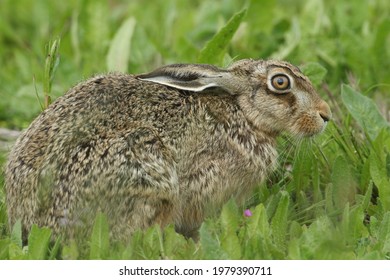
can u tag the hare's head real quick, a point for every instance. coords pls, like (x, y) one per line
(274, 95)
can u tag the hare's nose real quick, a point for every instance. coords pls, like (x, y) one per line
(324, 111)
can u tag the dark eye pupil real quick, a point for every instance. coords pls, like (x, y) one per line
(280, 81)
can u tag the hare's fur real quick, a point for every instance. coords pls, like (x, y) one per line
(163, 147)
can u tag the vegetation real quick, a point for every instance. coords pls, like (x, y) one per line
(329, 199)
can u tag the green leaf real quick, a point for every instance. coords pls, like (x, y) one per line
(210, 245)
(279, 221)
(230, 217)
(4, 249)
(100, 238)
(118, 56)
(367, 198)
(231, 245)
(16, 234)
(38, 243)
(384, 233)
(378, 165)
(344, 183)
(258, 223)
(364, 111)
(70, 251)
(55, 249)
(215, 48)
(315, 72)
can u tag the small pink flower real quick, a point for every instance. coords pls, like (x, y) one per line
(247, 213)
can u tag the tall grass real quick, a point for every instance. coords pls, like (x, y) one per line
(329, 198)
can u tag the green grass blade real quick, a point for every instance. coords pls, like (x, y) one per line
(119, 52)
(215, 48)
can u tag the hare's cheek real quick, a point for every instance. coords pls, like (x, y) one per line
(308, 124)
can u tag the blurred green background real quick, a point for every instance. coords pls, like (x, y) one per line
(328, 200)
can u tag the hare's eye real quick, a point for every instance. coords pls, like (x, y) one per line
(280, 82)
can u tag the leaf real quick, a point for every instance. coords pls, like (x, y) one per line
(100, 238)
(364, 111)
(279, 221)
(70, 251)
(344, 184)
(367, 197)
(210, 246)
(230, 217)
(4, 249)
(119, 53)
(16, 234)
(378, 165)
(55, 249)
(258, 223)
(231, 245)
(315, 72)
(215, 48)
(384, 233)
(38, 243)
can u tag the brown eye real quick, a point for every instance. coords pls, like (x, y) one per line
(280, 82)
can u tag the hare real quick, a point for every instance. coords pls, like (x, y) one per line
(165, 147)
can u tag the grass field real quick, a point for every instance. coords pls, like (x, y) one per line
(330, 197)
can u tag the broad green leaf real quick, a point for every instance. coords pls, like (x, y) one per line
(279, 221)
(344, 183)
(231, 245)
(230, 217)
(38, 243)
(119, 52)
(379, 169)
(16, 234)
(210, 246)
(315, 72)
(230, 224)
(352, 223)
(364, 111)
(258, 223)
(384, 233)
(100, 238)
(214, 50)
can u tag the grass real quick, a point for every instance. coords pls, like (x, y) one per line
(329, 199)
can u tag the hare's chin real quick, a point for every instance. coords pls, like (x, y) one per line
(307, 132)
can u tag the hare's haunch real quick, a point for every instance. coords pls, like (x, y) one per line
(163, 147)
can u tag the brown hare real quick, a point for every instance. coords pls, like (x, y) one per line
(163, 147)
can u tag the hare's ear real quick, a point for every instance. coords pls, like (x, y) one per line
(191, 77)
